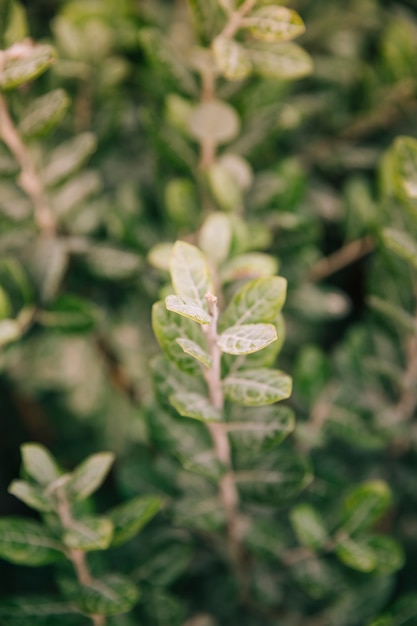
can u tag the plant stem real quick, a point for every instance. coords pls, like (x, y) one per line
(350, 253)
(77, 557)
(227, 485)
(28, 178)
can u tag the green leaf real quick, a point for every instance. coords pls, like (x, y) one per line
(357, 555)
(231, 58)
(205, 514)
(68, 158)
(193, 349)
(249, 266)
(168, 327)
(394, 312)
(26, 542)
(163, 608)
(31, 495)
(111, 595)
(401, 243)
(170, 380)
(318, 578)
(68, 313)
(47, 263)
(364, 505)
(187, 308)
(166, 60)
(190, 273)
(25, 62)
(405, 166)
(194, 405)
(246, 338)
(180, 201)
(214, 121)
(274, 480)
(112, 263)
(274, 23)
(130, 517)
(255, 431)
(89, 534)
(282, 61)
(166, 560)
(258, 387)
(44, 114)
(388, 553)
(89, 475)
(32, 608)
(402, 613)
(309, 526)
(39, 464)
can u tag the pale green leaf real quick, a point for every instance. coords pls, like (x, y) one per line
(89, 475)
(405, 166)
(44, 113)
(193, 349)
(257, 387)
(282, 61)
(25, 62)
(214, 121)
(168, 327)
(196, 406)
(187, 307)
(224, 187)
(274, 23)
(131, 516)
(358, 556)
(231, 58)
(246, 338)
(27, 542)
(249, 266)
(401, 243)
(69, 157)
(309, 526)
(215, 237)
(9, 331)
(159, 256)
(89, 534)
(190, 273)
(31, 495)
(111, 595)
(39, 464)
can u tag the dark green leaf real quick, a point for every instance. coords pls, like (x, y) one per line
(26, 542)
(131, 516)
(110, 595)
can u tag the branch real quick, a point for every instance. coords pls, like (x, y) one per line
(227, 486)
(77, 557)
(350, 253)
(28, 178)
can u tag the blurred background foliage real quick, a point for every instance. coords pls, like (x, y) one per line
(323, 191)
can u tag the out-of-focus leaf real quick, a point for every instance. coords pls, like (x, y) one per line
(112, 263)
(89, 475)
(231, 58)
(224, 188)
(44, 113)
(89, 534)
(31, 495)
(401, 243)
(25, 62)
(309, 526)
(131, 516)
(283, 61)
(27, 542)
(193, 349)
(251, 265)
(214, 121)
(274, 23)
(110, 595)
(9, 331)
(364, 505)
(68, 158)
(215, 237)
(39, 463)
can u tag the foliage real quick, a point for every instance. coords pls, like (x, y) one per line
(191, 168)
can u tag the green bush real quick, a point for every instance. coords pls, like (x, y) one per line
(208, 263)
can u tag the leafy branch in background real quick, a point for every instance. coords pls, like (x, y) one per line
(69, 531)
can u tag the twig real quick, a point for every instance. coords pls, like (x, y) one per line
(77, 557)
(350, 253)
(227, 485)
(28, 178)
